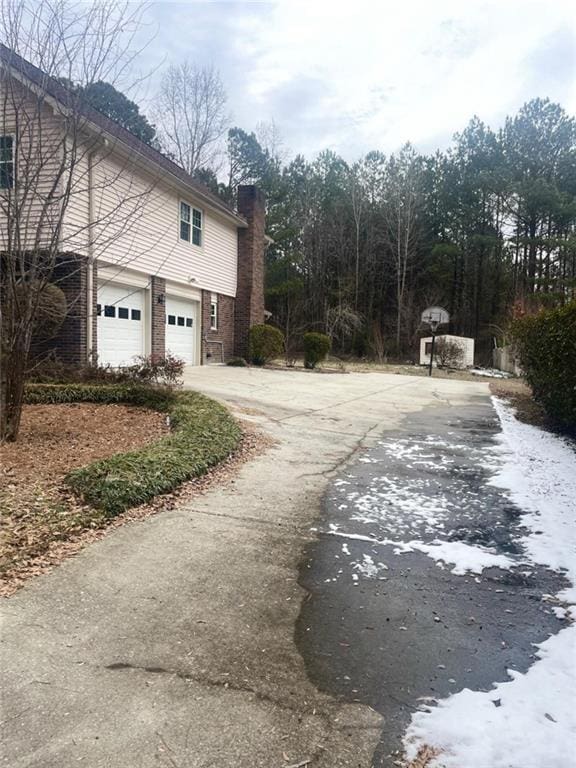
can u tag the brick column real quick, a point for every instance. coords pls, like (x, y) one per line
(158, 319)
(249, 308)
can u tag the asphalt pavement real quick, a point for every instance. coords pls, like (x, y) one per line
(388, 627)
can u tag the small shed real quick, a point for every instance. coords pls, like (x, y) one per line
(466, 345)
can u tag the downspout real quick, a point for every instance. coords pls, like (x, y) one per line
(90, 267)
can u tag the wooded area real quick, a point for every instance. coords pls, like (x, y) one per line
(486, 229)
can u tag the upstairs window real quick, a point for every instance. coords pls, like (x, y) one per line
(190, 224)
(196, 226)
(214, 312)
(6, 162)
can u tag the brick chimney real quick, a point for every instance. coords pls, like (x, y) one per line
(249, 309)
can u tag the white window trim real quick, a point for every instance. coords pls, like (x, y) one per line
(193, 208)
(214, 314)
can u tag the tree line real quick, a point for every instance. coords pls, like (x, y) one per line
(485, 228)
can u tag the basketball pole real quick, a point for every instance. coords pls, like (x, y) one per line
(432, 353)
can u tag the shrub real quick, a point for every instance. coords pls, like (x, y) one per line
(203, 434)
(546, 345)
(266, 343)
(316, 347)
(448, 354)
(237, 362)
(51, 312)
(157, 398)
(165, 371)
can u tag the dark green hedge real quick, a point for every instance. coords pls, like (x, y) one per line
(157, 398)
(266, 344)
(316, 348)
(546, 345)
(203, 434)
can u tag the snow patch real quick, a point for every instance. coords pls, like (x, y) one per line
(539, 475)
(527, 722)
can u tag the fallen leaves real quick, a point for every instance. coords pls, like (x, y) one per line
(42, 524)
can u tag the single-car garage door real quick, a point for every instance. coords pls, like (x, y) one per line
(181, 330)
(120, 313)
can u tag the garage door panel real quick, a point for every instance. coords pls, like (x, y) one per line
(181, 328)
(120, 313)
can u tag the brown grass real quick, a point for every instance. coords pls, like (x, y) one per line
(423, 758)
(519, 395)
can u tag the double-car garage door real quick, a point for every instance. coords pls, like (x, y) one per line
(124, 330)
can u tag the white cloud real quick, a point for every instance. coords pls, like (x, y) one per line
(362, 74)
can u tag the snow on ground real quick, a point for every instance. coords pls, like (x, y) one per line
(463, 556)
(530, 720)
(539, 475)
(492, 373)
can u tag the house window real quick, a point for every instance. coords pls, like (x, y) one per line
(181, 321)
(171, 319)
(135, 314)
(196, 226)
(427, 347)
(123, 313)
(185, 222)
(190, 224)
(188, 322)
(6, 162)
(109, 310)
(214, 312)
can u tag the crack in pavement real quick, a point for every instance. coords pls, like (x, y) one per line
(312, 711)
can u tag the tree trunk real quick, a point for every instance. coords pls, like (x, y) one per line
(12, 391)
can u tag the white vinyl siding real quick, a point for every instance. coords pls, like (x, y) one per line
(146, 237)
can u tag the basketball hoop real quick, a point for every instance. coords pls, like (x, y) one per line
(434, 317)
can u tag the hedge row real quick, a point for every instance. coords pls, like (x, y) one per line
(156, 398)
(546, 345)
(203, 434)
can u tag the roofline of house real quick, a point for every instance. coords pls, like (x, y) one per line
(96, 121)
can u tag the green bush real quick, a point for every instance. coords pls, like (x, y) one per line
(203, 434)
(157, 398)
(316, 347)
(237, 362)
(546, 345)
(266, 343)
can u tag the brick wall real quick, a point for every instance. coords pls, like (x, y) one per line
(158, 324)
(70, 344)
(224, 333)
(249, 309)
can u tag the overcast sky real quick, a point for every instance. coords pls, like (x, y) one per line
(367, 74)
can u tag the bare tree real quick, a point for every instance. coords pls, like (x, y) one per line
(191, 116)
(401, 213)
(61, 203)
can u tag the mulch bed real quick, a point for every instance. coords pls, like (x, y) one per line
(35, 511)
(41, 522)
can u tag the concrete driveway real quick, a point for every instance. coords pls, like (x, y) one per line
(171, 641)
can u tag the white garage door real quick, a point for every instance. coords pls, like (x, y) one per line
(181, 330)
(120, 324)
